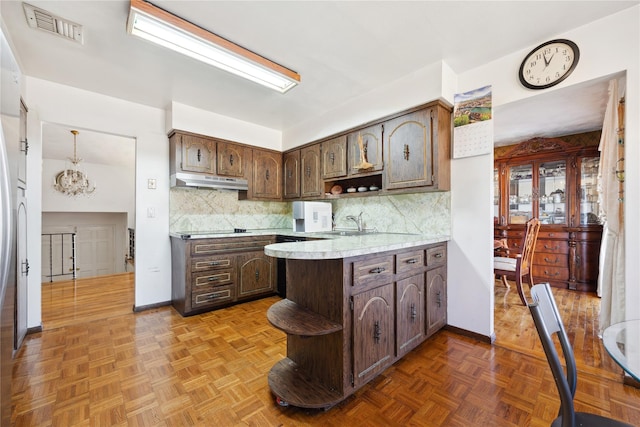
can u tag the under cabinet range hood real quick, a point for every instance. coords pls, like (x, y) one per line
(208, 181)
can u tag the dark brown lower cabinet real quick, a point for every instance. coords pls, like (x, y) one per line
(410, 311)
(373, 313)
(349, 319)
(211, 273)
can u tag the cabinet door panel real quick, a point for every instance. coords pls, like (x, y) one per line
(436, 299)
(372, 147)
(373, 313)
(267, 175)
(198, 155)
(334, 157)
(310, 179)
(409, 150)
(409, 313)
(232, 159)
(291, 165)
(256, 274)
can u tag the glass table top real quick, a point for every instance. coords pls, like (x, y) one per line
(622, 342)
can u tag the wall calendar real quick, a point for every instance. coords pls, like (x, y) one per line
(472, 123)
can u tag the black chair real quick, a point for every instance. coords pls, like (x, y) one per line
(547, 320)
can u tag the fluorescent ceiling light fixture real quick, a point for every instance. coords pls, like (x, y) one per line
(161, 27)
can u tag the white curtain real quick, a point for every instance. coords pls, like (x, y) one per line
(611, 286)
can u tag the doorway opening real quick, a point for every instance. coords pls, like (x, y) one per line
(88, 264)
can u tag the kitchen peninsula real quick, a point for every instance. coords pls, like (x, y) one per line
(354, 306)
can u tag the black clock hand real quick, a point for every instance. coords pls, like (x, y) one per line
(546, 63)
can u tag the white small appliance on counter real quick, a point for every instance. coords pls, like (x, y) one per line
(311, 217)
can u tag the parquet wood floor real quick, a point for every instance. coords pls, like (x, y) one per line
(156, 368)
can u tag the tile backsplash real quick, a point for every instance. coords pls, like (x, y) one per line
(210, 210)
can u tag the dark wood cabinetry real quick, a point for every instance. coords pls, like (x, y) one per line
(370, 311)
(373, 332)
(408, 152)
(334, 157)
(310, 171)
(212, 273)
(302, 173)
(266, 178)
(256, 274)
(555, 180)
(417, 146)
(410, 313)
(291, 174)
(233, 159)
(191, 153)
(371, 138)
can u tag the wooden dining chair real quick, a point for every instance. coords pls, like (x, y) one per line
(520, 266)
(548, 322)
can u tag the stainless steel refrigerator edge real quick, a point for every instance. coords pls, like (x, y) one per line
(9, 114)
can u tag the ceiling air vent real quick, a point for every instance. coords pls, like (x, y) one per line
(46, 21)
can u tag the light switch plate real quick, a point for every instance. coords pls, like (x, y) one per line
(151, 184)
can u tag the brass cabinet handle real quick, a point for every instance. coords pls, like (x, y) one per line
(411, 261)
(414, 312)
(257, 274)
(405, 152)
(438, 255)
(231, 159)
(555, 261)
(199, 155)
(546, 273)
(267, 174)
(377, 270)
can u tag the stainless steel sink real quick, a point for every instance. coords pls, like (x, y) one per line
(350, 232)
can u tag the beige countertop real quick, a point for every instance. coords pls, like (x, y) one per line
(336, 246)
(329, 245)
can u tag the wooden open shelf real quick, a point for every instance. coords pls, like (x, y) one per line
(293, 387)
(289, 317)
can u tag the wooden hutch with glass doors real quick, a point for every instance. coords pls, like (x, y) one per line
(555, 180)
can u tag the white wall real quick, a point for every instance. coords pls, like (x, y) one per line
(114, 189)
(420, 87)
(607, 46)
(184, 117)
(54, 103)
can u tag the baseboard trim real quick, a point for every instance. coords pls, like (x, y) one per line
(471, 334)
(630, 381)
(150, 306)
(34, 330)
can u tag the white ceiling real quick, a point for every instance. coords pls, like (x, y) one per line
(342, 49)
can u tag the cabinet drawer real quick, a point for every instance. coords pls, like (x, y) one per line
(221, 295)
(436, 255)
(409, 261)
(551, 259)
(542, 273)
(213, 278)
(562, 235)
(373, 271)
(552, 246)
(211, 263)
(214, 246)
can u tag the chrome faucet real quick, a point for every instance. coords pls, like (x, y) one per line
(357, 220)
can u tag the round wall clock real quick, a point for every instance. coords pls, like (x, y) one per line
(549, 64)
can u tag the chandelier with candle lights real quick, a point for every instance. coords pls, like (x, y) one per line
(72, 181)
